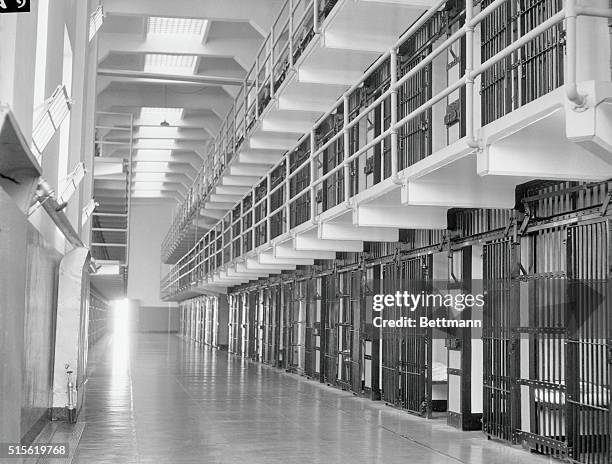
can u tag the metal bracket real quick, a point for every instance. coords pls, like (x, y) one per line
(509, 226)
(606, 203)
(525, 222)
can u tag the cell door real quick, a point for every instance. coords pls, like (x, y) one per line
(276, 313)
(289, 300)
(233, 323)
(406, 351)
(414, 355)
(330, 320)
(589, 344)
(389, 339)
(297, 327)
(464, 347)
(539, 330)
(215, 324)
(498, 341)
(310, 329)
(268, 331)
(356, 334)
(252, 298)
(345, 330)
(530, 72)
(415, 138)
(261, 296)
(244, 324)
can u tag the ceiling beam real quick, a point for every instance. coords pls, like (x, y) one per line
(214, 99)
(259, 14)
(172, 78)
(209, 122)
(241, 50)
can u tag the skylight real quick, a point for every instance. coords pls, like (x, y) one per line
(183, 26)
(170, 64)
(155, 115)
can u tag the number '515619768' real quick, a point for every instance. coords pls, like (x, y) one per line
(8, 450)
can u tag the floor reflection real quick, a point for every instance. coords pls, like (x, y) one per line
(171, 401)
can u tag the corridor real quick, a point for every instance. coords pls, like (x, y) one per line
(165, 400)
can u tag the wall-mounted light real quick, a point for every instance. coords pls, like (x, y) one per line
(95, 22)
(56, 108)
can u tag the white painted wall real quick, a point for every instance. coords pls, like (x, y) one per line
(149, 222)
(17, 77)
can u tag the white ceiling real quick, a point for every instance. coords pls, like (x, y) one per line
(180, 63)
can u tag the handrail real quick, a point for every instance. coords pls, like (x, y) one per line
(206, 248)
(225, 144)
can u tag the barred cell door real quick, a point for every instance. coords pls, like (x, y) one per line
(415, 343)
(349, 372)
(330, 319)
(297, 327)
(415, 138)
(276, 312)
(267, 325)
(319, 299)
(539, 330)
(214, 302)
(287, 320)
(356, 334)
(389, 339)
(252, 298)
(244, 324)
(531, 71)
(406, 351)
(498, 341)
(261, 303)
(333, 186)
(589, 345)
(310, 329)
(234, 323)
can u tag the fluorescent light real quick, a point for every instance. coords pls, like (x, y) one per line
(183, 26)
(95, 22)
(56, 109)
(171, 64)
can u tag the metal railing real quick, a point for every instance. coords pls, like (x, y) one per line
(294, 27)
(275, 205)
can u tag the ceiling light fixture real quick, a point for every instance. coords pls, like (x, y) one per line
(165, 122)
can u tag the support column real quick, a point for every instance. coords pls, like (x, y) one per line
(71, 334)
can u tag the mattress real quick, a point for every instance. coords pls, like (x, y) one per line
(590, 394)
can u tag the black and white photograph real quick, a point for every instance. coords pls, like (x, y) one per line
(305, 231)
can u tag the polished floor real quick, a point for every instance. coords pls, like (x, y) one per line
(160, 399)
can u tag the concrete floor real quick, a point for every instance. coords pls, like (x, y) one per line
(163, 400)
